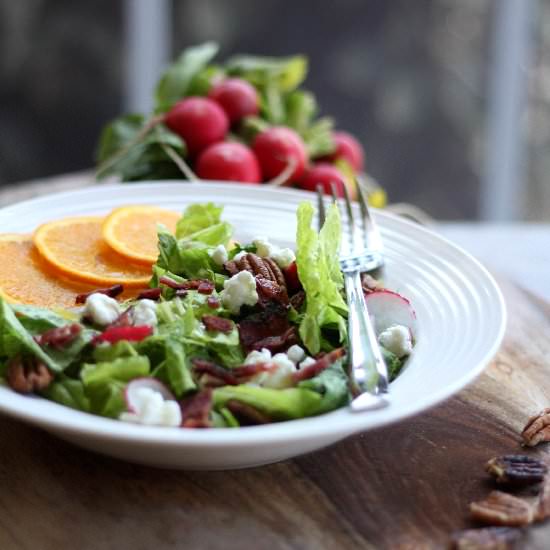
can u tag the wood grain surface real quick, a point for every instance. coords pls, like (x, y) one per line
(404, 487)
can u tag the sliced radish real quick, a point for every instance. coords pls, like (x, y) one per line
(145, 382)
(390, 308)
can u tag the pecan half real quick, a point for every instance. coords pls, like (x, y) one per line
(489, 538)
(503, 509)
(261, 268)
(28, 375)
(537, 429)
(542, 511)
(519, 470)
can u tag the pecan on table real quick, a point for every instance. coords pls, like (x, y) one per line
(537, 429)
(503, 509)
(542, 511)
(488, 538)
(518, 470)
(28, 375)
(370, 284)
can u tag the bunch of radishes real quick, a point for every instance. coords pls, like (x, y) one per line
(246, 121)
(204, 122)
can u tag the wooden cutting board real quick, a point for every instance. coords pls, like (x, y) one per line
(406, 486)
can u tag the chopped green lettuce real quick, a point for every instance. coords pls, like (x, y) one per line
(68, 392)
(319, 272)
(202, 223)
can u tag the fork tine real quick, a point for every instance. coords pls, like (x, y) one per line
(351, 220)
(347, 245)
(320, 206)
(372, 237)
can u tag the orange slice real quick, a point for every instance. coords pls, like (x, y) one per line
(132, 231)
(24, 279)
(75, 248)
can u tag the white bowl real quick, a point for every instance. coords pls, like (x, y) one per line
(460, 310)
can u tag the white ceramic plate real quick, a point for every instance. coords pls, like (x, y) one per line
(460, 310)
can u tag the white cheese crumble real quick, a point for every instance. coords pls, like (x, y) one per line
(295, 353)
(145, 313)
(283, 257)
(219, 254)
(397, 339)
(101, 309)
(239, 290)
(279, 374)
(306, 362)
(151, 409)
(254, 357)
(240, 255)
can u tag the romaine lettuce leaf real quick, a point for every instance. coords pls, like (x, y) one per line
(319, 272)
(284, 404)
(15, 339)
(68, 392)
(178, 368)
(202, 223)
(122, 369)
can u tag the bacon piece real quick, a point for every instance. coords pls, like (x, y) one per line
(112, 291)
(205, 287)
(228, 377)
(276, 344)
(213, 302)
(195, 410)
(319, 366)
(204, 366)
(247, 414)
(150, 294)
(272, 321)
(218, 324)
(113, 334)
(58, 337)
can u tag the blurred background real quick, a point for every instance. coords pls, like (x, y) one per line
(451, 99)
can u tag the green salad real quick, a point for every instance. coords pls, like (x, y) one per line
(228, 334)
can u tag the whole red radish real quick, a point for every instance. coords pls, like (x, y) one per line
(199, 121)
(275, 148)
(349, 149)
(228, 161)
(237, 97)
(323, 173)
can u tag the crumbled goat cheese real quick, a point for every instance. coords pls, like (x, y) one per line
(239, 290)
(295, 353)
(145, 313)
(397, 339)
(283, 257)
(219, 254)
(254, 357)
(306, 362)
(151, 409)
(279, 374)
(101, 309)
(240, 255)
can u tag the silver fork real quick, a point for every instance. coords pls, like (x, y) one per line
(360, 252)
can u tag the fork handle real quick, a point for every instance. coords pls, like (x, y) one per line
(367, 366)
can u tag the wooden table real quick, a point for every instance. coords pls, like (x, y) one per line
(404, 487)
